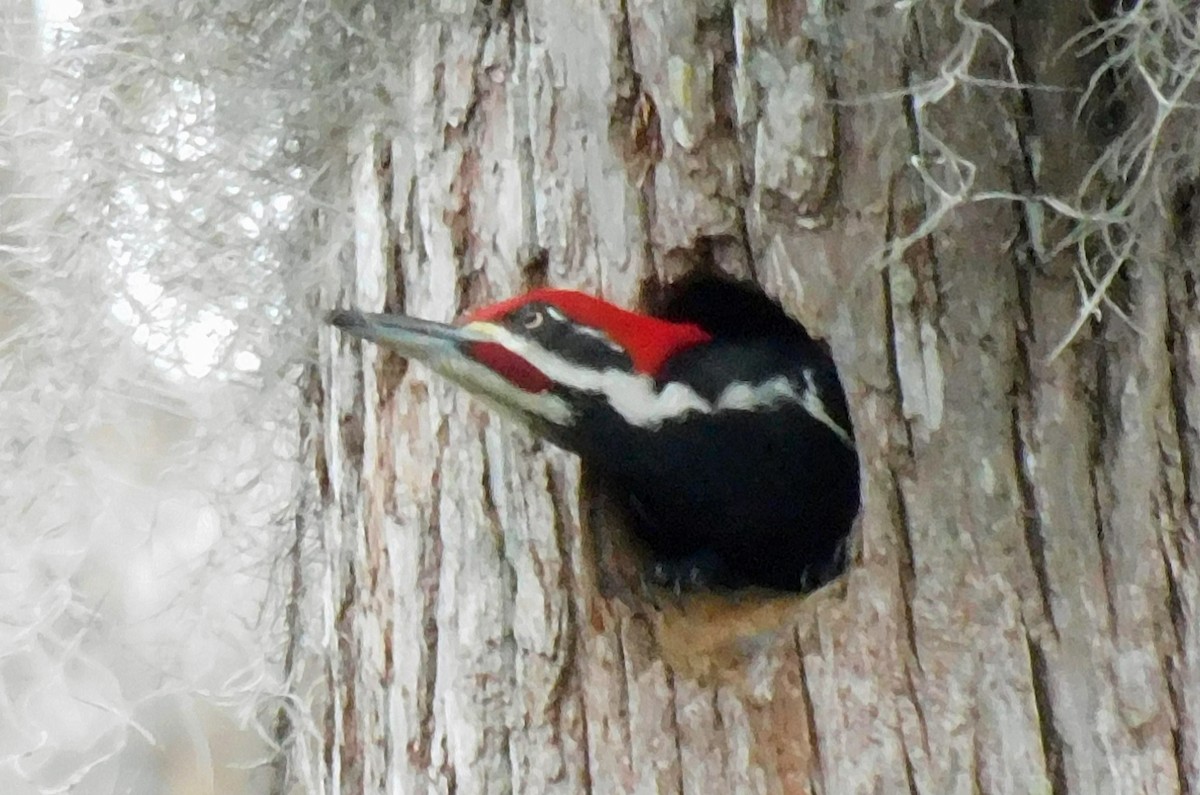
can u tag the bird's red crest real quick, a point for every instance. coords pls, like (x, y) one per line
(649, 341)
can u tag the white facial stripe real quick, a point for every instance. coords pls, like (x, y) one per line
(748, 397)
(635, 397)
(502, 394)
(813, 405)
(632, 395)
(781, 390)
(599, 335)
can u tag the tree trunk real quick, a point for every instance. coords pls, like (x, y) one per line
(935, 191)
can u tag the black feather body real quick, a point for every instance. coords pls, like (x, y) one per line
(735, 498)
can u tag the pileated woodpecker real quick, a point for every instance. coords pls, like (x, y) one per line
(722, 420)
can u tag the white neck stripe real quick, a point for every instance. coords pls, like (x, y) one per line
(637, 399)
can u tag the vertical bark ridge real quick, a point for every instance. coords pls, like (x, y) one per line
(1026, 261)
(815, 772)
(1023, 455)
(1052, 740)
(1182, 319)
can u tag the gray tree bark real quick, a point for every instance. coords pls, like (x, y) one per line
(935, 189)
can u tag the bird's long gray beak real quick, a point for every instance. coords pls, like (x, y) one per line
(501, 377)
(411, 337)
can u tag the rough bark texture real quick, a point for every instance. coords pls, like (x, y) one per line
(1022, 616)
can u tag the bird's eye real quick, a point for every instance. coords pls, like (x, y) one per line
(533, 318)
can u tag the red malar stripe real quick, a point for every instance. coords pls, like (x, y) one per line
(511, 366)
